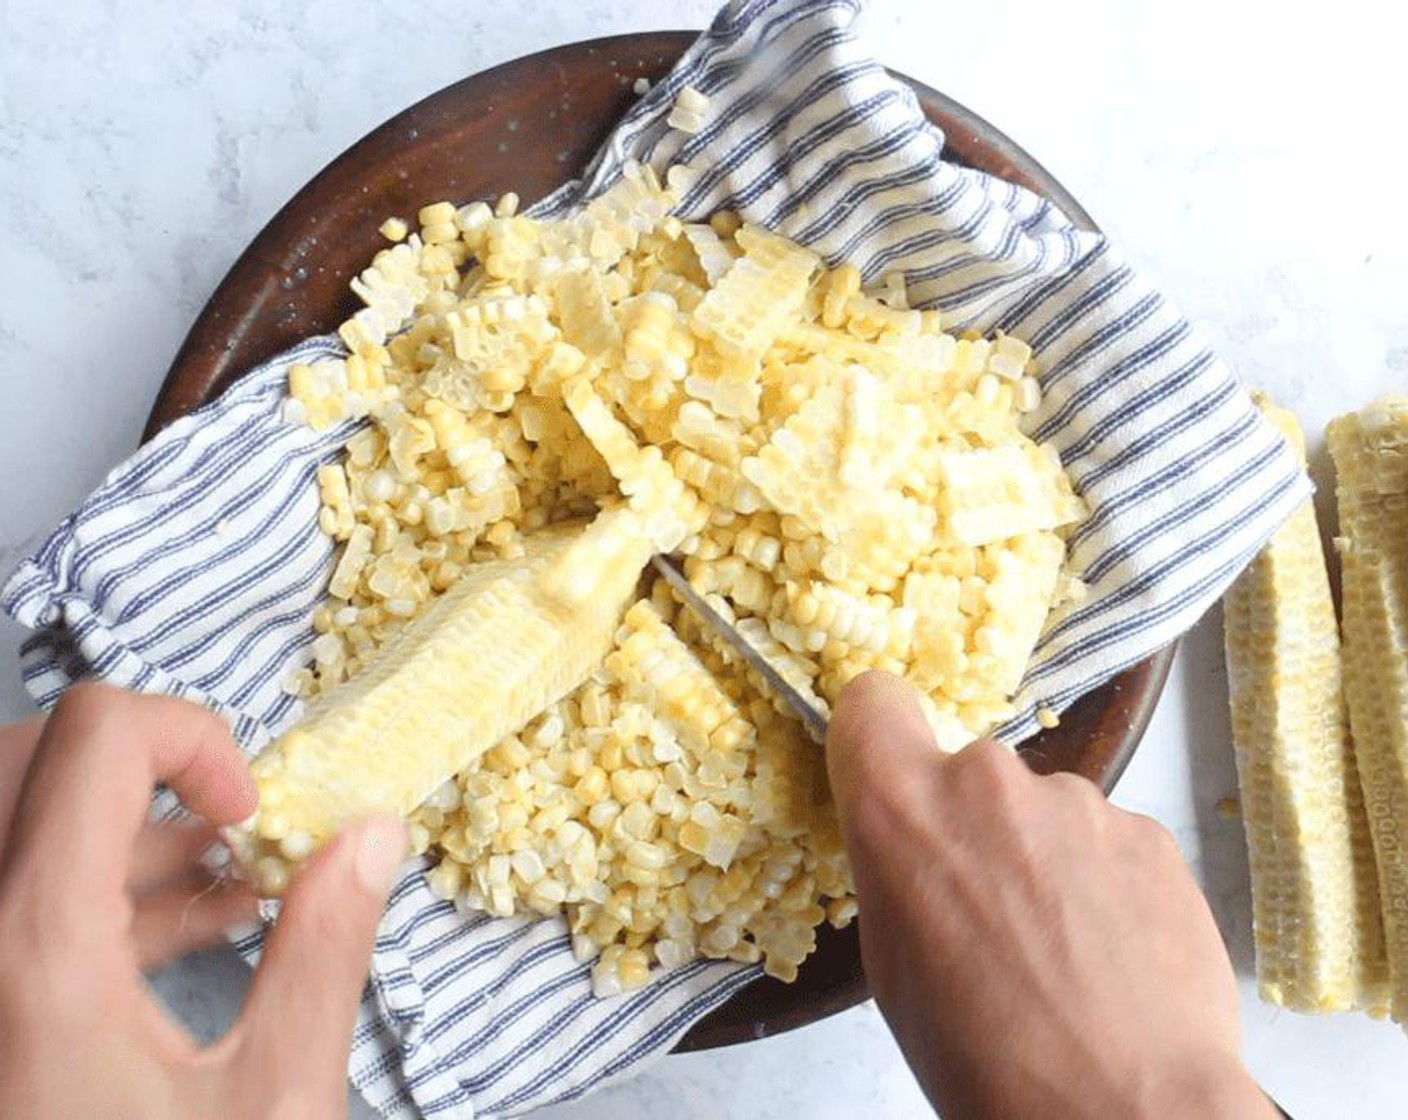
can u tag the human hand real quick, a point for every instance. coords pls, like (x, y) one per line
(178, 904)
(91, 895)
(1036, 951)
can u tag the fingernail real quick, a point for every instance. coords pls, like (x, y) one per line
(381, 849)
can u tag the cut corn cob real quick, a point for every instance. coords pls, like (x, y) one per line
(495, 650)
(1315, 904)
(1370, 450)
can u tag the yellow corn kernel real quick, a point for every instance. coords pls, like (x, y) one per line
(842, 283)
(394, 229)
(592, 787)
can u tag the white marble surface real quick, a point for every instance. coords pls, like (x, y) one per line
(1247, 156)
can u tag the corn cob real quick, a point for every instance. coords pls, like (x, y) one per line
(495, 650)
(1370, 450)
(1315, 905)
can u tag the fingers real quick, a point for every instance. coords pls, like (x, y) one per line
(878, 741)
(99, 755)
(298, 1020)
(17, 743)
(166, 853)
(176, 920)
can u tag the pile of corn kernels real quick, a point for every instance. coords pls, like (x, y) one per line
(850, 482)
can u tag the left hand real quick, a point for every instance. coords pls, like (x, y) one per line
(177, 904)
(91, 895)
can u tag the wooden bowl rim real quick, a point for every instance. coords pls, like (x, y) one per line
(218, 348)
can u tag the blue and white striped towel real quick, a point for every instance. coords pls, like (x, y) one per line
(194, 569)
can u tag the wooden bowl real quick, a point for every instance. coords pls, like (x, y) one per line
(459, 144)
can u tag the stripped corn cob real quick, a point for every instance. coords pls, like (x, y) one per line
(1370, 450)
(483, 660)
(1315, 905)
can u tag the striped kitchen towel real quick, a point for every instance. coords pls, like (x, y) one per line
(194, 569)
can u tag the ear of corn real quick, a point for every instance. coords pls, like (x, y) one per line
(496, 649)
(1370, 450)
(1315, 906)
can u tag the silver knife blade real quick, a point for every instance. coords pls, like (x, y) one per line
(812, 720)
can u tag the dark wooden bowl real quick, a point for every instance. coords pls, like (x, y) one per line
(459, 144)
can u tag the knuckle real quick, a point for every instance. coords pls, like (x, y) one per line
(870, 823)
(1152, 836)
(983, 787)
(891, 816)
(987, 769)
(81, 701)
(979, 755)
(1078, 790)
(1069, 784)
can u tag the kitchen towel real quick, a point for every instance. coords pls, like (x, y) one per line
(195, 567)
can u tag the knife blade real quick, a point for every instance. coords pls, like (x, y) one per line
(812, 720)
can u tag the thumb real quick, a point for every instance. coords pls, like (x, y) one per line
(297, 1022)
(878, 744)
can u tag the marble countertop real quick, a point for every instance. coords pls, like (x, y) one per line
(142, 145)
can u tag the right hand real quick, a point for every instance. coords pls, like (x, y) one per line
(1036, 951)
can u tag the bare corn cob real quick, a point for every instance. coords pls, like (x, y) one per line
(1370, 450)
(1315, 903)
(500, 646)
